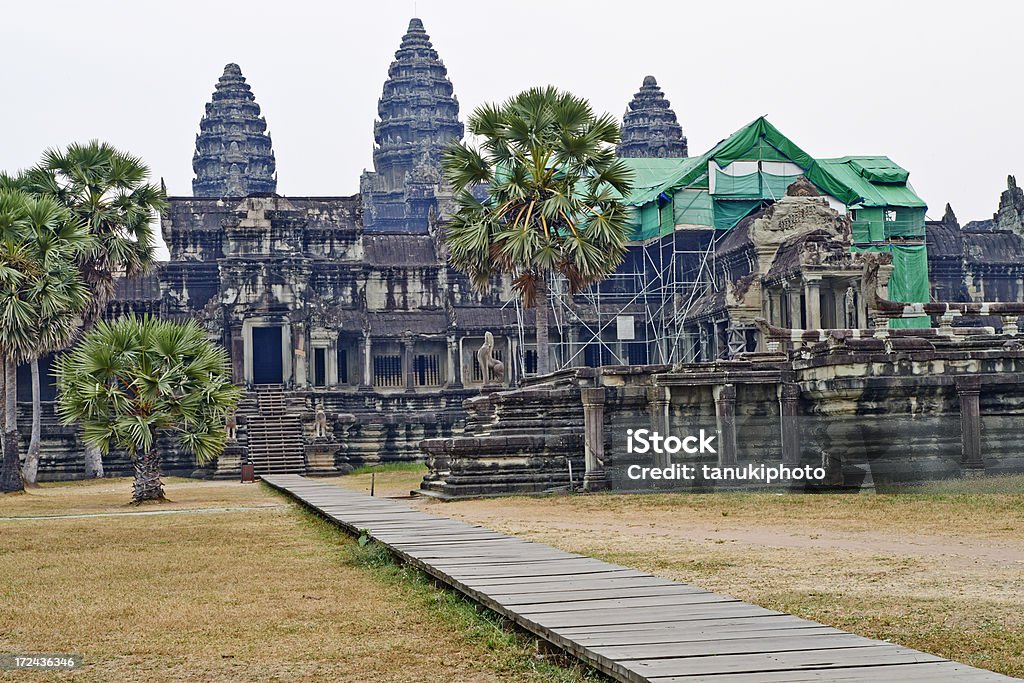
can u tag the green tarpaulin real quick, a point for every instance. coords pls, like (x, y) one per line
(693, 207)
(909, 279)
(729, 213)
(877, 193)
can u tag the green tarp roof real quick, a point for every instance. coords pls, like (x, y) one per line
(855, 181)
(858, 173)
(651, 177)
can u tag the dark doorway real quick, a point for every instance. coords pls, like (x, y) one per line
(319, 367)
(266, 356)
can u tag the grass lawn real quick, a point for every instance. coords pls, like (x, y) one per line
(940, 569)
(264, 594)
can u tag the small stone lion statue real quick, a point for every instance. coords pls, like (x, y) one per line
(492, 369)
(320, 425)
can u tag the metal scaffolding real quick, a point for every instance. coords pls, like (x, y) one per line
(637, 314)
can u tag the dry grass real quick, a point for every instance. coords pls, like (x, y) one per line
(941, 572)
(258, 595)
(114, 495)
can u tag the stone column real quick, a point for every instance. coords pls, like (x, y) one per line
(968, 388)
(657, 408)
(812, 302)
(775, 316)
(594, 478)
(789, 408)
(454, 364)
(839, 305)
(573, 346)
(299, 377)
(237, 354)
(725, 412)
(407, 364)
(793, 294)
(366, 351)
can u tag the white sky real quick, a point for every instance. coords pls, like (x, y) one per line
(936, 86)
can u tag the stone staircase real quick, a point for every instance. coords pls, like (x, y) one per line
(517, 441)
(275, 439)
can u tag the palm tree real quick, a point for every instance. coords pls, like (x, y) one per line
(554, 198)
(134, 379)
(40, 296)
(108, 190)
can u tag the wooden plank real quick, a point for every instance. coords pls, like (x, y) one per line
(930, 672)
(875, 655)
(682, 635)
(630, 625)
(532, 598)
(761, 643)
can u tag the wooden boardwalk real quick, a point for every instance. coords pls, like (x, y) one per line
(630, 625)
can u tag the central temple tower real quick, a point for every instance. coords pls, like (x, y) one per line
(650, 128)
(234, 156)
(418, 117)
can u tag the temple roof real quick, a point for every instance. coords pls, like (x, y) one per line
(650, 127)
(234, 156)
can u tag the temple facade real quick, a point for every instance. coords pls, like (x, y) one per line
(982, 260)
(356, 341)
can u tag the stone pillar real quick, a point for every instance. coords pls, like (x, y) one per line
(725, 412)
(968, 388)
(793, 294)
(454, 364)
(407, 364)
(839, 305)
(812, 302)
(299, 377)
(237, 354)
(575, 346)
(594, 478)
(366, 351)
(657, 408)
(775, 316)
(789, 408)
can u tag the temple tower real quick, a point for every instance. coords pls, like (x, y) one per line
(649, 127)
(234, 156)
(418, 117)
(1010, 215)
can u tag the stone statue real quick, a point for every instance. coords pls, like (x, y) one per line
(320, 426)
(851, 309)
(231, 426)
(490, 367)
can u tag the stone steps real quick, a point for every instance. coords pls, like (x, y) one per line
(273, 433)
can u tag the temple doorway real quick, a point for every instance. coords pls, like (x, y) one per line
(267, 366)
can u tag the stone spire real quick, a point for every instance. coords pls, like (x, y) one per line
(1010, 215)
(234, 157)
(649, 127)
(418, 117)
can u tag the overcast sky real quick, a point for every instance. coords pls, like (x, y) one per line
(937, 86)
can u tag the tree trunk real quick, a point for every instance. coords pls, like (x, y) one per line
(541, 310)
(30, 470)
(10, 471)
(147, 484)
(93, 462)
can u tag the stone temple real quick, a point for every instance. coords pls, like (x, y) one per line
(761, 284)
